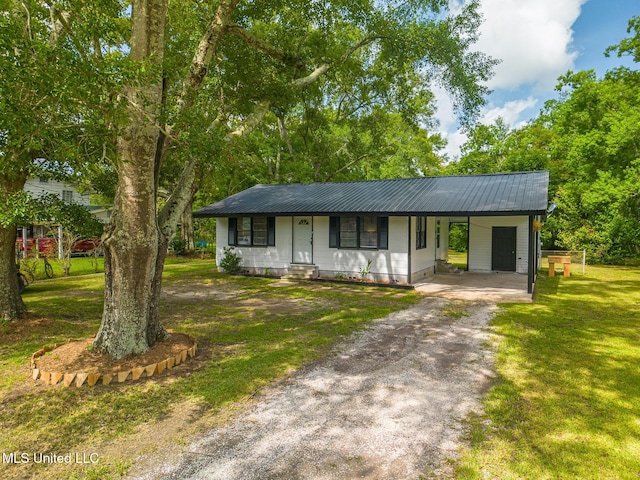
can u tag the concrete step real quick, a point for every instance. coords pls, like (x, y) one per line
(302, 271)
(445, 267)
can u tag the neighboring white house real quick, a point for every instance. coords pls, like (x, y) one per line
(68, 192)
(400, 226)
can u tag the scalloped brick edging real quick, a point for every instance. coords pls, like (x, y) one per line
(91, 379)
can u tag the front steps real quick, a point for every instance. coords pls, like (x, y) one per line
(442, 266)
(302, 271)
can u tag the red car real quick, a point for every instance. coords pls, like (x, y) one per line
(85, 246)
(45, 246)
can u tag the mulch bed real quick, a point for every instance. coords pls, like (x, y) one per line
(74, 361)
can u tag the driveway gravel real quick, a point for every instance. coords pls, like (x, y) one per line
(388, 403)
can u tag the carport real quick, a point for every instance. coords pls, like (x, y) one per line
(494, 287)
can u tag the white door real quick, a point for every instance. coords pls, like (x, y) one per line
(302, 240)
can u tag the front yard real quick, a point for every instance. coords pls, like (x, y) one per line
(566, 403)
(250, 332)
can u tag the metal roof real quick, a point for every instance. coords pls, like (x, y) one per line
(523, 193)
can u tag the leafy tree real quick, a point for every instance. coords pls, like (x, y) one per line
(48, 52)
(159, 93)
(215, 72)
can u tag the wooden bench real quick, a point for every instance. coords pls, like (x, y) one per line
(564, 260)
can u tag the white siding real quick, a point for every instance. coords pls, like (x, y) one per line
(386, 265)
(480, 241)
(37, 188)
(423, 260)
(257, 259)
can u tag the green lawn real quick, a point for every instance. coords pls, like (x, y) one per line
(458, 259)
(250, 332)
(567, 402)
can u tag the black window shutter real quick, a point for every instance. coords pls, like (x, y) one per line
(233, 227)
(271, 231)
(383, 233)
(334, 229)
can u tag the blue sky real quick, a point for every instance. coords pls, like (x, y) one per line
(537, 41)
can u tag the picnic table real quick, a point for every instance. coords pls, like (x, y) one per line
(565, 260)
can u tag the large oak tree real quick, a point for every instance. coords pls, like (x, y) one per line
(189, 78)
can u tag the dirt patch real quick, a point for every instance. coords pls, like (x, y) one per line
(388, 403)
(77, 356)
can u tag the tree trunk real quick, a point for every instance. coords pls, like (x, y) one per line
(131, 247)
(186, 233)
(132, 241)
(11, 304)
(136, 240)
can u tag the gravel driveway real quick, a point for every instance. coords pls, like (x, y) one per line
(388, 403)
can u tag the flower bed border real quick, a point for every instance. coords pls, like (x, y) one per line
(91, 379)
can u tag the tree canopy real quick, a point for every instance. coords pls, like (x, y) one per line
(309, 89)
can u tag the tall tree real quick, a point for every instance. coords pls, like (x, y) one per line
(251, 59)
(46, 128)
(197, 76)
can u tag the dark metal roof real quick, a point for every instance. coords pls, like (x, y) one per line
(494, 194)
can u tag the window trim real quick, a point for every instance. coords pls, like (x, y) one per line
(382, 232)
(232, 231)
(421, 234)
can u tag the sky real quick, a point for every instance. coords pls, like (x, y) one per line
(537, 41)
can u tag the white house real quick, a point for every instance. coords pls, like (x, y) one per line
(395, 229)
(39, 186)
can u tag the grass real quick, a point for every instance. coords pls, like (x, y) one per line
(458, 259)
(34, 268)
(251, 332)
(567, 404)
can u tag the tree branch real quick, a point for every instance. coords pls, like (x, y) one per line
(348, 165)
(266, 47)
(62, 23)
(262, 107)
(282, 126)
(206, 50)
(252, 120)
(174, 207)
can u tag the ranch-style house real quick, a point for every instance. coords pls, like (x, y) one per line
(395, 230)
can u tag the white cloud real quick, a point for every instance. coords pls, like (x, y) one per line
(511, 112)
(531, 37)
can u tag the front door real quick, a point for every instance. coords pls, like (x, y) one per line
(503, 249)
(302, 240)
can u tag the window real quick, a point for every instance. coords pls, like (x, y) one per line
(421, 232)
(252, 231)
(349, 232)
(259, 231)
(67, 196)
(359, 232)
(368, 232)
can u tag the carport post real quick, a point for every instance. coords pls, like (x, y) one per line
(531, 267)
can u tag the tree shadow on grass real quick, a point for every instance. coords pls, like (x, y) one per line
(570, 397)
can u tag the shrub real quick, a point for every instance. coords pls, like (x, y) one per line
(179, 245)
(230, 260)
